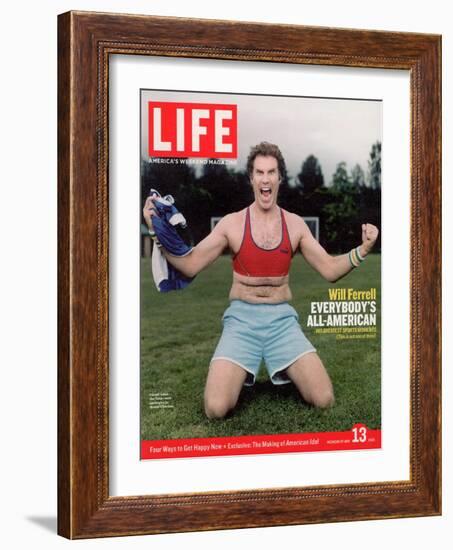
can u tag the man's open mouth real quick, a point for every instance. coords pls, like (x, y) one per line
(266, 191)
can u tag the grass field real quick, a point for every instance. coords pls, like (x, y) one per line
(179, 332)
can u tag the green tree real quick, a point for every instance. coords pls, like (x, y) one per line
(374, 166)
(340, 179)
(310, 177)
(168, 178)
(306, 196)
(218, 183)
(357, 176)
(341, 213)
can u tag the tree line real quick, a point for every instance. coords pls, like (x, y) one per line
(350, 198)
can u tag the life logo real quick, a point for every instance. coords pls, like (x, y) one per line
(192, 130)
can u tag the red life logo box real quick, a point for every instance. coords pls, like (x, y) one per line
(192, 130)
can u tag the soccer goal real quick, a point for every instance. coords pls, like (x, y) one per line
(313, 225)
(214, 221)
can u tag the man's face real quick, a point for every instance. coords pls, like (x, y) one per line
(265, 180)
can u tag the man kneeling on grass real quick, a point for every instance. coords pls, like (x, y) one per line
(259, 323)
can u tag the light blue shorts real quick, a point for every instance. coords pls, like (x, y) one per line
(256, 332)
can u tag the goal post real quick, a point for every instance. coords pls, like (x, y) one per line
(313, 225)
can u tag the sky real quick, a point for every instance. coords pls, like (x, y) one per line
(334, 130)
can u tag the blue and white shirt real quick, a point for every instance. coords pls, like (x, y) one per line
(166, 277)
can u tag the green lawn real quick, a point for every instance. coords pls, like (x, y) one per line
(179, 332)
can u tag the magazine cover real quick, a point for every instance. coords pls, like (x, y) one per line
(260, 274)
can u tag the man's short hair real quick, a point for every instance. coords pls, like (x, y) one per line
(266, 149)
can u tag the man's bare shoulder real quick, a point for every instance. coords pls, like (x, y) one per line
(230, 221)
(295, 222)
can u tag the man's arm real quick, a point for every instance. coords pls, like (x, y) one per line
(202, 255)
(333, 268)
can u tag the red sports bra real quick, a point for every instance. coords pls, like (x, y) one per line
(254, 261)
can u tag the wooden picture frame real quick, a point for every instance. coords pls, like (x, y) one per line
(85, 41)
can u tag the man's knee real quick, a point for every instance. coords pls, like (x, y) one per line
(217, 407)
(323, 398)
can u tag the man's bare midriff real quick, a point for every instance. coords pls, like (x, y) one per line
(260, 290)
